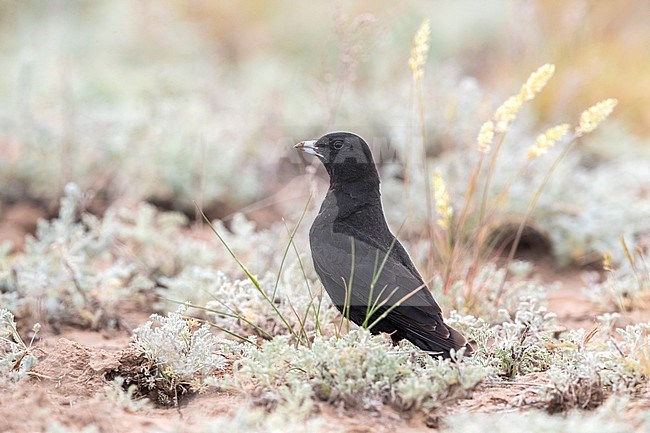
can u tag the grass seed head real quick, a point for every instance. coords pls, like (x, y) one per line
(507, 112)
(591, 118)
(536, 82)
(485, 137)
(607, 261)
(547, 140)
(420, 50)
(443, 204)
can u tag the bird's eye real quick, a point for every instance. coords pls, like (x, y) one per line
(338, 145)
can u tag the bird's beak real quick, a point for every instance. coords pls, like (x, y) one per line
(308, 146)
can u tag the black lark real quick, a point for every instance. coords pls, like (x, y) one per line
(364, 268)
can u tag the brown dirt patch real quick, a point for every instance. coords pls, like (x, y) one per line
(67, 387)
(72, 371)
(18, 220)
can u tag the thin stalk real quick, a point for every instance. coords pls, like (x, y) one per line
(529, 211)
(233, 315)
(300, 323)
(233, 334)
(348, 294)
(346, 300)
(311, 296)
(201, 180)
(300, 264)
(304, 319)
(480, 238)
(392, 307)
(451, 259)
(250, 276)
(502, 194)
(630, 259)
(376, 275)
(425, 167)
(376, 305)
(375, 271)
(488, 178)
(317, 313)
(286, 250)
(407, 155)
(348, 289)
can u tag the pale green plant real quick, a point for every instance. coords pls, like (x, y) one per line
(354, 370)
(585, 370)
(179, 355)
(236, 305)
(516, 345)
(249, 419)
(126, 399)
(627, 363)
(539, 422)
(16, 357)
(57, 427)
(69, 273)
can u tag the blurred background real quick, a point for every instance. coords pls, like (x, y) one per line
(177, 101)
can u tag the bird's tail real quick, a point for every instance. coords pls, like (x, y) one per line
(441, 346)
(459, 341)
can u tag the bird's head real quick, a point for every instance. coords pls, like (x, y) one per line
(346, 157)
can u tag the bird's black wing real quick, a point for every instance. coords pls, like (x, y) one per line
(417, 316)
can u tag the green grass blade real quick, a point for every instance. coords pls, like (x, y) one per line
(250, 276)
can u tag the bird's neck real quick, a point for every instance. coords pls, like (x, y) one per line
(351, 197)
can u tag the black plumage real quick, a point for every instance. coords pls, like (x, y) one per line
(350, 240)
